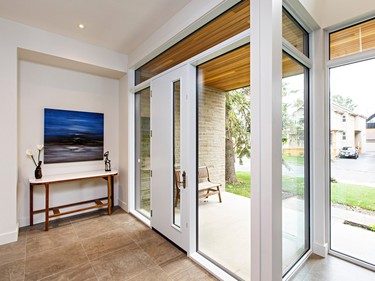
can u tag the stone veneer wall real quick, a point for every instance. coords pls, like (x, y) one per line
(211, 131)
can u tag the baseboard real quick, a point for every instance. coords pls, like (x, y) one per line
(320, 250)
(123, 205)
(9, 237)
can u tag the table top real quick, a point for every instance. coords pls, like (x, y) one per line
(72, 176)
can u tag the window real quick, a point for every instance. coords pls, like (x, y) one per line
(223, 132)
(295, 171)
(225, 26)
(295, 34)
(352, 40)
(343, 118)
(295, 145)
(352, 192)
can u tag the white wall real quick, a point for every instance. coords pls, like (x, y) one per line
(125, 135)
(14, 36)
(42, 87)
(331, 12)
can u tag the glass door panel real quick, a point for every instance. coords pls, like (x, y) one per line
(142, 152)
(295, 175)
(352, 159)
(176, 153)
(223, 169)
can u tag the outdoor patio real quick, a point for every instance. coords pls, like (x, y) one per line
(224, 232)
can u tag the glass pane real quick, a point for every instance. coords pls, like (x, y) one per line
(176, 154)
(142, 152)
(295, 182)
(295, 34)
(224, 161)
(225, 26)
(351, 40)
(352, 160)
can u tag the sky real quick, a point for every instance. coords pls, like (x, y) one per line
(357, 81)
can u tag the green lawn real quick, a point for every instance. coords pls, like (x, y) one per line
(353, 195)
(297, 160)
(345, 194)
(293, 185)
(242, 188)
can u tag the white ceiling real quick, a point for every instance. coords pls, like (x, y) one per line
(119, 25)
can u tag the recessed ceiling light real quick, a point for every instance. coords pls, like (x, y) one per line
(81, 26)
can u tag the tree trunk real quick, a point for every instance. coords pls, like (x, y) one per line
(230, 171)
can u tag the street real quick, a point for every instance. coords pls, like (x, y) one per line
(355, 171)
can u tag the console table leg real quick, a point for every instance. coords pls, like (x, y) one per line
(47, 206)
(31, 205)
(109, 185)
(112, 193)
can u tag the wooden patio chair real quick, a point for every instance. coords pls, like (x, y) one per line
(205, 186)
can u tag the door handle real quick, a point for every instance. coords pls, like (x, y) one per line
(183, 182)
(184, 179)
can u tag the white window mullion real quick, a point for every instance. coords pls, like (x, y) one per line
(266, 46)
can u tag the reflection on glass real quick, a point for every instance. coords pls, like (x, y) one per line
(142, 152)
(352, 160)
(295, 235)
(228, 24)
(295, 34)
(176, 155)
(224, 161)
(352, 40)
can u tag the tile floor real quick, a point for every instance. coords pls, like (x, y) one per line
(95, 246)
(332, 269)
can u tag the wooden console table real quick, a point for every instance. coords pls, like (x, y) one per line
(48, 180)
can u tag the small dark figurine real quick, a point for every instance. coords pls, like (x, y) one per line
(107, 162)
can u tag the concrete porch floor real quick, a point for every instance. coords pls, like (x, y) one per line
(224, 232)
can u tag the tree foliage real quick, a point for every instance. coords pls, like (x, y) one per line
(344, 101)
(238, 121)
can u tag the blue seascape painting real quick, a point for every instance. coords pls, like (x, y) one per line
(72, 136)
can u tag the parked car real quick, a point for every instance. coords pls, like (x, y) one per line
(348, 152)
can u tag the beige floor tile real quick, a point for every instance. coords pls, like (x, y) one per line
(119, 216)
(39, 229)
(53, 261)
(93, 226)
(152, 274)
(98, 246)
(160, 250)
(14, 271)
(78, 273)
(12, 252)
(192, 273)
(123, 264)
(177, 265)
(54, 238)
(139, 232)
